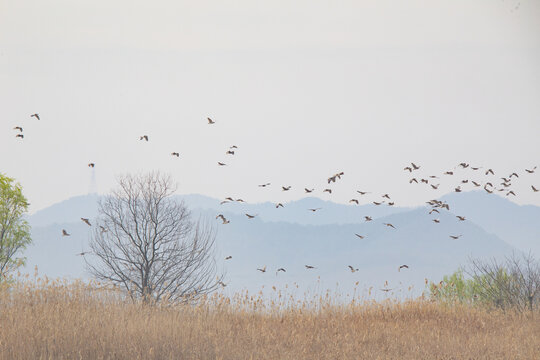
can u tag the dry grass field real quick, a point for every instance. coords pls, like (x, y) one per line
(54, 320)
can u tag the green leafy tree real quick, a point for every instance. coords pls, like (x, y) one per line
(14, 230)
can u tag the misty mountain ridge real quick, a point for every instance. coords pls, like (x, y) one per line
(293, 236)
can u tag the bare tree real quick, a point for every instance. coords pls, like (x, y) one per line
(514, 282)
(148, 244)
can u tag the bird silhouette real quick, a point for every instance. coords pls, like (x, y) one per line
(279, 205)
(354, 201)
(391, 203)
(286, 188)
(250, 216)
(511, 193)
(221, 164)
(280, 269)
(175, 154)
(386, 290)
(414, 166)
(362, 192)
(534, 189)
(263, 270)
(455, 237)
(378, 203)
(91, 165)
(403, 267)
(353, 270)
(82, 253)
(315, 209)
(328, 191)
(360, 236)
(86, 221)
(223, 219)
(18, 128)
(264, 185)
(389, 225)
(308, 190)
(229, 152)
(65, 233)
(513, 174)
(20, 136)
(413, 180)
(210, 121)
(310, 267)
(461, 218)
(228, 257)
(449, 173)
(407, 168)
(527, 170)
(36, 116)
(435, 187)
(368, 218)
(490, 171)
(475, 183)
(436, 221)
(434, 210)
(143, 137)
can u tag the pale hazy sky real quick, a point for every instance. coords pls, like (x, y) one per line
(303, 88)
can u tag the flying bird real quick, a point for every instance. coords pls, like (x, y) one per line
(264, 185)
(513, 174)
(35, 115)
(263, 270)
(18, 128)
(378, 203)
(403, 267)
(229, 152)
(455, 237)
(233, 147)
(279, 205)
(280, 269)
(389, 225)
(449, 173)
(362, 192)
(82, 253)
(360, 236)
(315, 209)
(91, 165)
(527, 170)
(368, 218)
(490, 171)
(20, 136)
(221, 164)
(309, 267)
(391, 203)
(408, 168)
(65, 233)
(223, 219)
(386, 196)
(415, 167)
(354, 201)
(475, 183)
(534, 189)
(210, 121)
(435, 187)
(175, 154)
(308, 190)
(434, 210)
(250, 216)
(286, 188)
(353, 270)
(510, 193)
(228, 257)
(239, 200)
(386, 290)
(413, 180)
(86, 221)
(143, 137)
(436, 221)
(461, 218)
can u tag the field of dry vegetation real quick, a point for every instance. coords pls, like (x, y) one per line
(54, 320)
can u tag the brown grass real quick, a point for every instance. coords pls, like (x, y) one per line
(54, 320)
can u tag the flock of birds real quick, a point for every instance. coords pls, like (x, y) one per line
(436, 205)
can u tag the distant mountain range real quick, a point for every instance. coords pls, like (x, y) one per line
(292, 237)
